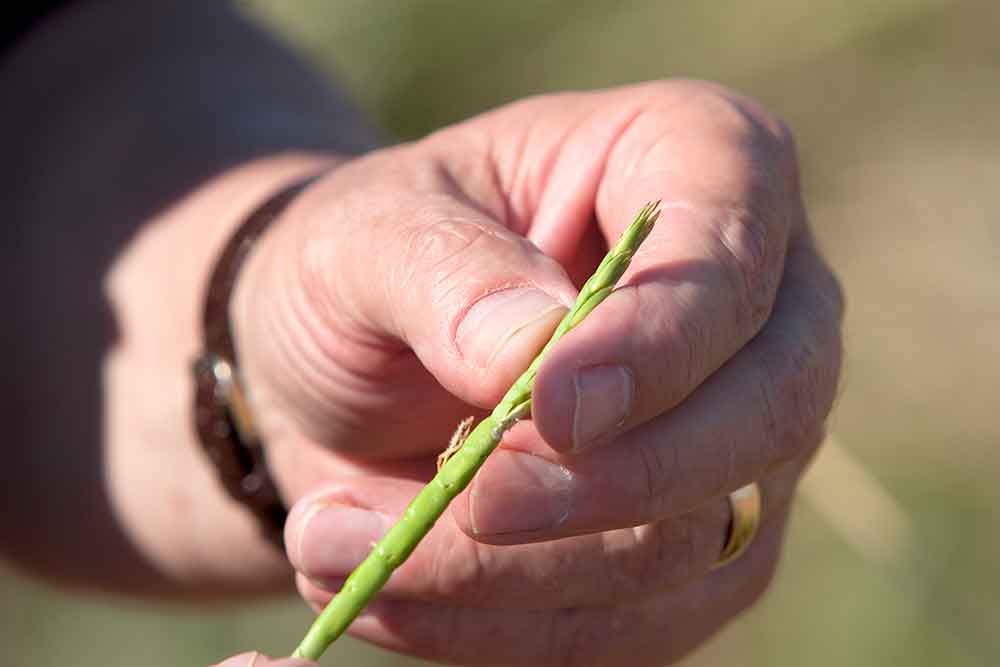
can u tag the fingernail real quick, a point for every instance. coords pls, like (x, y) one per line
(334, 538)
(604, 396)
(498, 321)
(519, 493)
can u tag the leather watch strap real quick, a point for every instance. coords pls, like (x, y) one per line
(222, 417)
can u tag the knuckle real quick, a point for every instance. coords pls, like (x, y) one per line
(722, 111)
(659, 474)
(437, 249)
(797, 391)
(787, 404)
(774, 448)
(709, 109)
(700, 93)
(731, 114)
(758, 123)
(774, 158)
(821, 372)
(732, 117)
(440, 242)
(750, 262)
(799, 370)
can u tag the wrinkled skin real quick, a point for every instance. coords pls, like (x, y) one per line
(408, 288)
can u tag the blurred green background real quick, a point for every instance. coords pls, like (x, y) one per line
(893, 554)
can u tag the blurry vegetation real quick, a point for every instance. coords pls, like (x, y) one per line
(896, 107)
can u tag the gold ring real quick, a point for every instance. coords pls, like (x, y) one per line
(745, 504)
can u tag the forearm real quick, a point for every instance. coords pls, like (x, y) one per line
(126, 127)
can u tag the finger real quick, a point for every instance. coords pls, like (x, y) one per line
(364, 289)
(255, 659)
(336, 532)
(656, 630)
(765, 407)
(705, 280)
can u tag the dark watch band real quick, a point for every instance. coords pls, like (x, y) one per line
(222, 416)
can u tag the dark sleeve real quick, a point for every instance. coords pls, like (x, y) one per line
(22, 18)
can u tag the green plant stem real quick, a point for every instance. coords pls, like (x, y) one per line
(456, 473)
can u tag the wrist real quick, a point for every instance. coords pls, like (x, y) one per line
(224, 418)
(268, 325)
(215, 212)
(154, 455)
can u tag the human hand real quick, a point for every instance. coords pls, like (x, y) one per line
(255, 659)
(399, 291)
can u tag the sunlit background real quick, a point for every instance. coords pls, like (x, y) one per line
(894, 553)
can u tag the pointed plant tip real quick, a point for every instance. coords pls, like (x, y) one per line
(648, 213)
(644, 222)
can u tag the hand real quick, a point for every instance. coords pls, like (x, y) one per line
(255, 659)
(407, 289)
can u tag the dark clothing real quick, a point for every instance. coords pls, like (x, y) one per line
(22, 18)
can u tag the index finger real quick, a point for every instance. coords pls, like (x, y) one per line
(764, 408)
(704, 282)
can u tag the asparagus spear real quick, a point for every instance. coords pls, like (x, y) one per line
(456, 472)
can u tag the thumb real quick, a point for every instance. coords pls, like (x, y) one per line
(474, 300)
(390, 294)
(255, 659)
